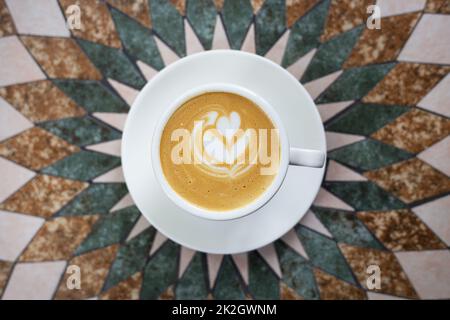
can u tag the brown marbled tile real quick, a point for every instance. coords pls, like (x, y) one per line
(5, 269)
(295, 9)
(137, 9)
(287, 293)
(36, 148)
(411, 180)
(128, 289)
(97, 24)
(36, 101)
(438, 6)
(344, 15)
(382, 45)
(6, 22)
(58, 238)
(414, 131)
(43, 196)
(94, 267)
(256, 4)
(393, 279)
(401, 230)
(180, 5)
(61, 58)
(219, 4)
(406, 84)
(168, 294)
(332, 288)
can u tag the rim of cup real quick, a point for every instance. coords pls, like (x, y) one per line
(226, 214)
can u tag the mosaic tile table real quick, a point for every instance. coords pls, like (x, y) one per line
(383, 96)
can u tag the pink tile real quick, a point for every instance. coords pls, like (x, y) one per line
(186, 256)
(34, 281)
(381, 296)
(146, 70)
(436, 214)
(438, 99)
(115, 175)
(127, 93)
(16, 231)
(316, 87)
(429, 42)
(336, 140)
(123, 203)
(291, 239)
(12, 121)
(249, 42)
(110, 147)
(13, 177)
(116, 120)
(277, 51)
(214, 261)
(328, 200)
(329, 110)
(241, 261)
(38, 17)
(140, 226)
(299, 67)
(269, 254)
(159, 240)
(338, 172)
(438, 155)
(220, 40)
(428, 272)
(396, 7)
(167, 54)
(310, 220)
(193, 45)
(16, 63)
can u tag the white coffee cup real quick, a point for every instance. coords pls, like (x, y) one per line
(289, 155)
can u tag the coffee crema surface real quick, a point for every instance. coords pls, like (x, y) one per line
(219, 151)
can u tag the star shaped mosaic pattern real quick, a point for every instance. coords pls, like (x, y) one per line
(383, 96)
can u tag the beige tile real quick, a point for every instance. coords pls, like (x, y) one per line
(430, 33)
(16, 63)
(220, 40)
(12, 121)
(13, 177)
(186, 256)
(193, 45)
(338, 172)
(337, 140)
(241, 261)
(310, 220)
(214, 261)
(438, 155)
(269, 254)
(396, 7)
(327, 199)
(438, 99)
(316, 87)
(436, 214)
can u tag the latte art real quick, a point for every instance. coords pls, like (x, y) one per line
(219, 151)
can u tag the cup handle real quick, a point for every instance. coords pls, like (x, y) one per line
(306, 157)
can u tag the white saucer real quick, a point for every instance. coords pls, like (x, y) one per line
(296, 110)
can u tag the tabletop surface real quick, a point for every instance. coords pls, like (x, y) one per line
(383, 95)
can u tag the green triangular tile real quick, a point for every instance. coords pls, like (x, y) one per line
(137, 40)
(160, 272)
(365, 119)
(202, 17)
(110, 229)
(193, 286)
(346, 227)
(228, 286)
(92, 95)
(369, 154)
(83, 165)
(130, 258)
(99, 198)
(168, 24)
(331, 55)
(297, 272)
(324, 253)
(305, 33)
(355, 83)
(263, 283)
(113, 63)
(237, 16)
(270, 23)
(364, 195)
(81, 131)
